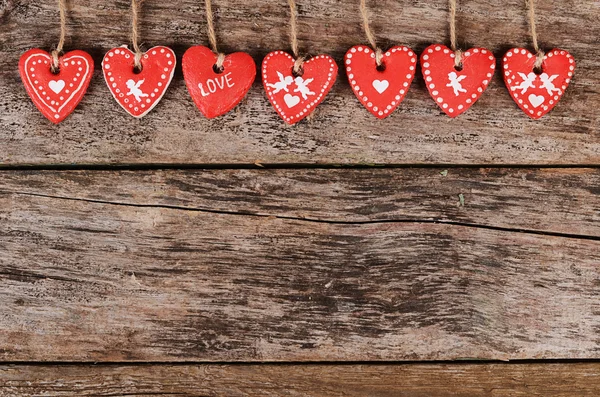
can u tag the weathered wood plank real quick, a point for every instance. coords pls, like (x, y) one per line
(494, 131)
(130, 279)
(545, 200)
(412, 380)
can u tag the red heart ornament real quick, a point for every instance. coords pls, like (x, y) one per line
(537, 94)
(138, 93)
(454, 90)
(380, 91)
(56, 95)
(217, 93)
(294, 98)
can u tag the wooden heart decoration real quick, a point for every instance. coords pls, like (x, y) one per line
(295, 97)
(454, 90)
(537, 94)
(217, 93)
(138, 93)
(56, 95)
(380, 91)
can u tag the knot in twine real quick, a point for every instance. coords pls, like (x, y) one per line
(458, 54)
(298, 65)
(539, 59)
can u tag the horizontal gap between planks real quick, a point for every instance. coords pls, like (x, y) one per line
(313, 220)
(299, 363)
(274, 166)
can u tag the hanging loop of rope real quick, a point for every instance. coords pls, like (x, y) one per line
(370, 36)
(538, 52)
(299, 61)
(453, 41)
(61, 42)
(212, 36)
(135, 11)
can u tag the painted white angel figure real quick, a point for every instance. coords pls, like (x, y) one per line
(455, 82)
(547, 83)
(303, 87)
(282, 84)
(134, 89)
(527, 82)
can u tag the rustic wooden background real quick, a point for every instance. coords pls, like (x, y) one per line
(343, 256)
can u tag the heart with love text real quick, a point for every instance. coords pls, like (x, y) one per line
(215, 92)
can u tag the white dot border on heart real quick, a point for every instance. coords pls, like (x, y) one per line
(309, 107)
(510, 78)
(403, 91)
(71, 90)
(157, 93)
(436, 95)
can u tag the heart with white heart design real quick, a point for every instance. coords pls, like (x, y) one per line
(455, 90)
(296, 96)
(138, 92)
(380, 90)
(56, 95)
(537, 93)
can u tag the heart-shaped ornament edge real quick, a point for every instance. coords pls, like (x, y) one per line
(400, 95)
(186, 79)
(331, 81)
(531, 56)
(469, 102)
(67, 55)
(167, 84)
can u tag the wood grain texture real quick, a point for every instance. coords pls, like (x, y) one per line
(493, 131)
(546, 200)
(113, 266)
(446, 380)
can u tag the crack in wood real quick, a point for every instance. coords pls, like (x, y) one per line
(311, 220)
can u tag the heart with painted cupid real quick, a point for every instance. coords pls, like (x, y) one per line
(380, 90)
(295, 97)
(537, 93)
(138, 92)
(453, 89)
(56, 95)
(216, 92)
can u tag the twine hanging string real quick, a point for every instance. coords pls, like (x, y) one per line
(457, 52)
(294, 37)
(61, 42)
(370, 36)
(212, 36)
(539, 53)
(135, 11)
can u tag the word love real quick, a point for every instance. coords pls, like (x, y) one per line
(537, 93)
(295, 97)
(215, 92)
(380, 89)
(218, 83)
(138, 91)
(56, 94)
